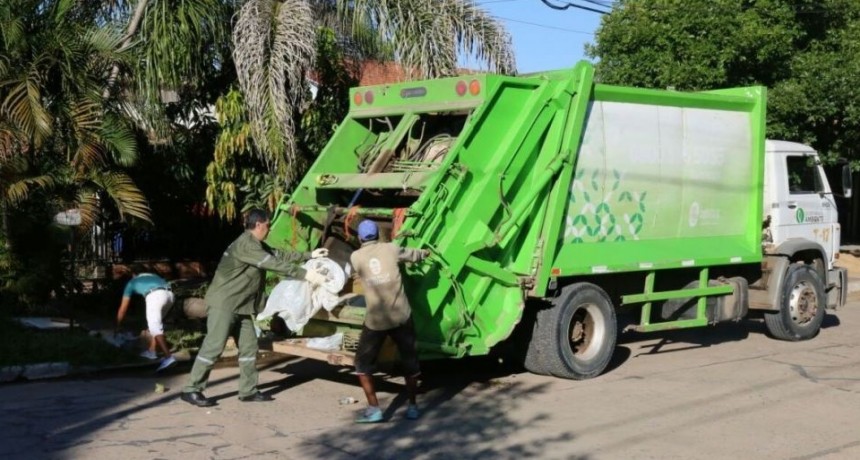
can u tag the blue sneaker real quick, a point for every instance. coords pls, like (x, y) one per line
(412, 412)
(166, 363)
(370, 415)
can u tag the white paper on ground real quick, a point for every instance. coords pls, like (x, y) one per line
(332, 342)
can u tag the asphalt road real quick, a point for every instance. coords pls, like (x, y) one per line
(727, 392)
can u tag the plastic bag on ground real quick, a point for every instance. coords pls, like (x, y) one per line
(332, 342)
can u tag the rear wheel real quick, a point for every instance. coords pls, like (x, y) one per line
(801, 306)
(575, 338)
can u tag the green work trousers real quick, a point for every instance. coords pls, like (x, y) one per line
(220, 324)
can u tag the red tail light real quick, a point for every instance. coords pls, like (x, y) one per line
(357, 98)
(368, 97)
(461, 88)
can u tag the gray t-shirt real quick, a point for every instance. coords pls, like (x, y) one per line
(377, 264)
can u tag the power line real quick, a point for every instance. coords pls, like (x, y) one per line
(563, 29)
(495, 1)
(572, 5)
(603, 3)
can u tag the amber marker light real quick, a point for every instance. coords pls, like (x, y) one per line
(474, 87)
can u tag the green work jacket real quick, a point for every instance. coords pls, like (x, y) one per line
(240, 277)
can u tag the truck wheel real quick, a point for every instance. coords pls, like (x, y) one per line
(801, 307)
(577, 334)
(533, 359)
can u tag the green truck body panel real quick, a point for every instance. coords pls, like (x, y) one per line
(523, 180)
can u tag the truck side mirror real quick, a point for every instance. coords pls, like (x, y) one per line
(846, 181)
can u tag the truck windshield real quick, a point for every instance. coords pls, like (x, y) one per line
(803, 177)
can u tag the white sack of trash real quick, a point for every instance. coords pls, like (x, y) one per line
(295, 301)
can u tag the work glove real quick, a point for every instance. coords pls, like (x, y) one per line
(317, 253)
(315, 278)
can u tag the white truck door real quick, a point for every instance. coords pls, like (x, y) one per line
(805, 206)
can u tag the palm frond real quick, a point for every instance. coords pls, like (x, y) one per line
(89, 205)
(126, 196)
(428, 35)
(147, 117)
(106, 45)
(23, 107)
(89, 154)
(119, 140)
(19, 191)
(11, 28)
(174, 41)
(10, 143)
(358, 41)
(480, 34)
(61, 8)
(17, 184)
(274, 44)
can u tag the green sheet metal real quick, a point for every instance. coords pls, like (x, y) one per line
(550, 176)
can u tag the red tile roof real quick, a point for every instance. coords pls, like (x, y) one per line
(379, 73)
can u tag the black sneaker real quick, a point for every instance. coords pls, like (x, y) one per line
(196, 398)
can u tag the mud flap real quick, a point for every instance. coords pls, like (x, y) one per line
(837, 288)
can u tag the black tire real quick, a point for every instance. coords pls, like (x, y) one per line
(801, 305)
(533, 360)
(575, 338)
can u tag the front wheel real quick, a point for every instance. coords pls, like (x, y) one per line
(801, 306)
(577, 335)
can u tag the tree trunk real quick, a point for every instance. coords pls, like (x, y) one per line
(126, 41)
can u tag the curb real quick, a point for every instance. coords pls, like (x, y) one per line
(34, 371)
(42, 371)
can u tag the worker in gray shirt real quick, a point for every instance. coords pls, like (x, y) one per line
(388, 315)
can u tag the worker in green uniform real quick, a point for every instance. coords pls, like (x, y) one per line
(234, 297)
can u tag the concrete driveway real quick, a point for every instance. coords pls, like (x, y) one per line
(727, 392)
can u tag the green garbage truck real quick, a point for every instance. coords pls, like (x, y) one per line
(552, 206)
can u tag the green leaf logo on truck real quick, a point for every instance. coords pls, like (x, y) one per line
(598, 212)
(800, 215)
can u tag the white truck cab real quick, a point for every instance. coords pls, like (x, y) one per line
(801, 222)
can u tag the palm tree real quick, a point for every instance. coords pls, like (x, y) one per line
(54, 121)
(274, 45)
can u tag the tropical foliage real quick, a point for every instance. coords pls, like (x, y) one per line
(58, 129)
(277, 43)
(81, 98)
(102, 103)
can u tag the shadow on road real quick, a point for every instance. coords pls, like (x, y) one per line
(465, 403)
(45, 424)
(638, 343)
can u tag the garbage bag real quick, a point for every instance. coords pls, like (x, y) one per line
(296, 302)
(335, 276)
(291, 300)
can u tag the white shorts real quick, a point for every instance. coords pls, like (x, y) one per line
(156, 303)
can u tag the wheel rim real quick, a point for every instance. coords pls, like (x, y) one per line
(586, 332)
(803, 303)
